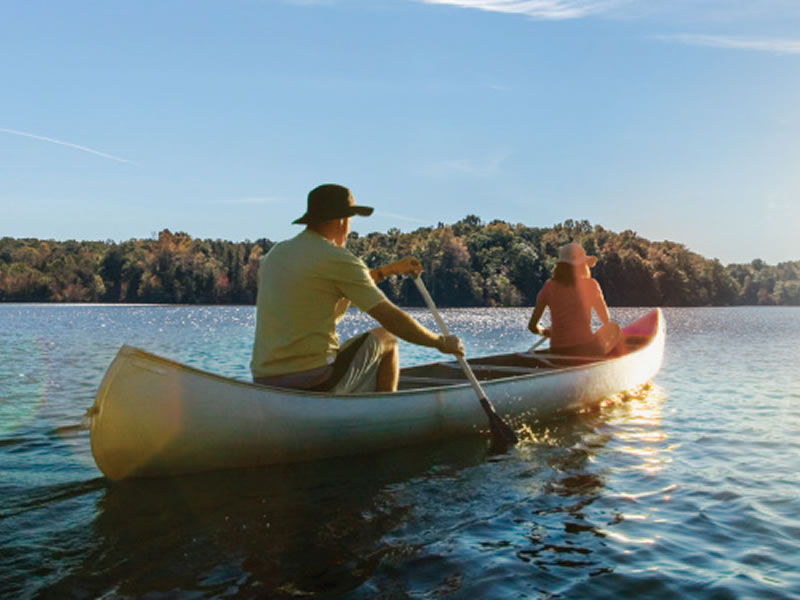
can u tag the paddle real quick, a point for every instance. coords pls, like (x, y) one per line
(537, 344)
(502, 435)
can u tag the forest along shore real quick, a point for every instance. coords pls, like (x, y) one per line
(470, 263)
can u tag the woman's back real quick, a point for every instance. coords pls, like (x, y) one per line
(570, 310)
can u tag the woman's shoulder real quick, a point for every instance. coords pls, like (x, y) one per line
(548, 285)
(590, 283)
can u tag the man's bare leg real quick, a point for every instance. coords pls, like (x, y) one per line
(389, 367)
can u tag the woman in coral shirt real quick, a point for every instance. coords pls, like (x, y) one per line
(571, 294)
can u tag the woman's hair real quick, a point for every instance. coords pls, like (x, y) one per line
(567, 274)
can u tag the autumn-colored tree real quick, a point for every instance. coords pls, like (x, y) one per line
(470, 263)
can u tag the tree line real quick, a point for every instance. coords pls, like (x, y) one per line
(469, 263)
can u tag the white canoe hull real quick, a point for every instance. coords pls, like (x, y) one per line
(156, 417)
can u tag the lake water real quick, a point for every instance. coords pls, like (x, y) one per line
(688, 490)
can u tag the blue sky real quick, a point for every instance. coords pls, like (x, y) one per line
(677, 119)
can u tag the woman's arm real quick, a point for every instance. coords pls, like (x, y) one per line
(533, 324)
(600, 306)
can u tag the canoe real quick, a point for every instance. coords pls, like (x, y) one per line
(156, 417)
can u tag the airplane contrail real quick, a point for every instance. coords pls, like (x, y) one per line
(402, 217)
(68, 144)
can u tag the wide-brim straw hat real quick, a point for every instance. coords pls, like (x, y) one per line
(330, 201)
(574, 254)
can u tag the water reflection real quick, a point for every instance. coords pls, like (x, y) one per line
(574, 518)
(306, 529)
(422, 521)
(24, 374)
(641, 448)
(639, 432)
(522, 523)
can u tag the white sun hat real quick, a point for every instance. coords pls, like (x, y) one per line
(574, 254)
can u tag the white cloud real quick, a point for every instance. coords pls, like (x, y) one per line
(775, 45)
(538, 9)
(745, 12)
(68, 144)
(716, 11)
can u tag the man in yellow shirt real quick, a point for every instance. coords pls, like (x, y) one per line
(305, 285)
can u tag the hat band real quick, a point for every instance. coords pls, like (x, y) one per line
(330, 213)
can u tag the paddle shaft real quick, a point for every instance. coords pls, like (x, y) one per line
(443, 328)
(502, 435)
(537, 344)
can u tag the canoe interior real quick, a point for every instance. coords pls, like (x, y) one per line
(500, 366)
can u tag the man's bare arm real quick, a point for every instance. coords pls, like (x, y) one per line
(404, 326)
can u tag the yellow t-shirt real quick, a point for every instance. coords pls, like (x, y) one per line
(301, 286)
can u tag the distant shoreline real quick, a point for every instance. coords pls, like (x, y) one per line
(415, 308)
(467, 264)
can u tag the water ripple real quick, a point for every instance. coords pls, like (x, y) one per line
(683, 489)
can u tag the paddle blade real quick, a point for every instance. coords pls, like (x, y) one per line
(503, 436)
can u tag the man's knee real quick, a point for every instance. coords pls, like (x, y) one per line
(387, 340)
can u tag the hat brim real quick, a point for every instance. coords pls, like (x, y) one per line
(351, 211)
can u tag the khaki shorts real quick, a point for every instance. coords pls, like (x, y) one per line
(354, 370)
(362, 371)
